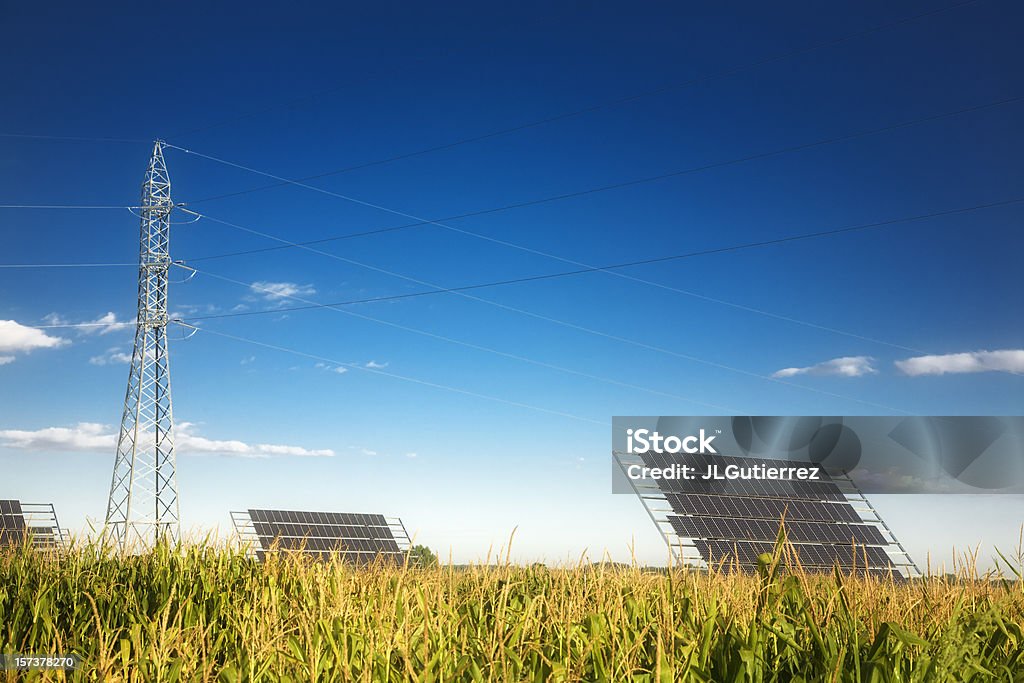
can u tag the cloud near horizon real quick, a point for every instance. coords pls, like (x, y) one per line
(92, 437)
(1006, 360)
(847, 366)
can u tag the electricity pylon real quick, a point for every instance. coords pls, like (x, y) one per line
(143, 504)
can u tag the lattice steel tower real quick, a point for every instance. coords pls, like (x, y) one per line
(143, 505)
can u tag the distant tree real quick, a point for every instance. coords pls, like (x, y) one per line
(422, 556)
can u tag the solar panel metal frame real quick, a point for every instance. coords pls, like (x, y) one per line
(697, 524)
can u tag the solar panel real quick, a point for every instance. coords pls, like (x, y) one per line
(731, 521)
(352, 537)
(811, 556)
(765, 530)
(761, 508)
(12, 523)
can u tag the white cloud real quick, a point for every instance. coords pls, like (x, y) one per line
(187, 310)
(85, 436)
(374, 365)
(113, 356)
(275, 449)
(340, 369)
(373, 453)
(105, 324)
(275, 291)
(18, 338)
(847, 366)
(97, 438)
(247, 360)
(15, 337)
(187, 442)
(1007, 360)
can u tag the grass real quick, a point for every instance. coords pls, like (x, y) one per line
(202, 612)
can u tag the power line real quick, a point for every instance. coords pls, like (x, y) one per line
(581, 271)
(460, 292)
(404, 378)
(63, 206)
(477, 347)
(56, 326)
(559, 197)
(569, 195)
(581, 328)
(586, 267)
(65, 265)
(616, 101)
(641, 262)
(563, 323)
(574, 262)
(551, 276)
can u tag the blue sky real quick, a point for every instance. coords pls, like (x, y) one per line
(319, 89)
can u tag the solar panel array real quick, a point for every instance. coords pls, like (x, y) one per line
(33, 521)
(731, 522)
(351, 537)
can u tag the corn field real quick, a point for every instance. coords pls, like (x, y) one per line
(203, 612)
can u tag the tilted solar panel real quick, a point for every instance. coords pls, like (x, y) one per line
(761, 508)
(768, 531)
(10, 508)
(352, 537)
(731, 521)
(810, 556)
